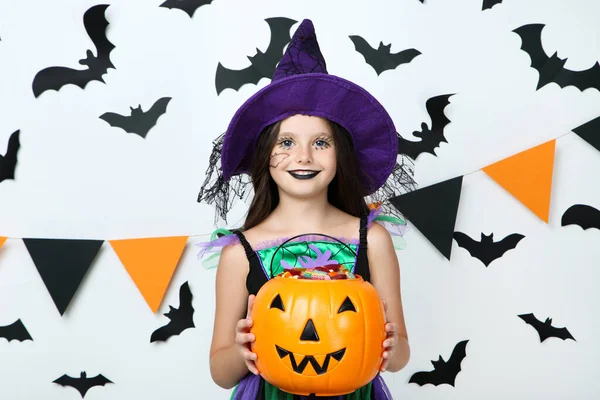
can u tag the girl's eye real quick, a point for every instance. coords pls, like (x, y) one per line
(285, 143)
(322, 143)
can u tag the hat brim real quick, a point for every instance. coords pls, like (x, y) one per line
(322, 95)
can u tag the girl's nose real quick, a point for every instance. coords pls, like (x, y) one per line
(304, 155)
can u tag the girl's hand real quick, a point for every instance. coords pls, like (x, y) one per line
(389, 344)
(243, 338)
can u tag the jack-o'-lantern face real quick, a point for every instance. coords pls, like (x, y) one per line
(321, 337)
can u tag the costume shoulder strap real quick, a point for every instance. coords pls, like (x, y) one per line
(250, 253)
(362, 261)
(256, 275)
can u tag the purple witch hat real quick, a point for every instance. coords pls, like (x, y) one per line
(302, 85)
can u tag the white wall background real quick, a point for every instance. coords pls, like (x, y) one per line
(79, 178)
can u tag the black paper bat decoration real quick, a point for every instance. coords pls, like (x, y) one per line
(489, 4)
(8, 162)
(430, 138)
(583, 215)
(138, 122)
(262, 64)
(486, 250)
(545, 329)
(381, 59)
(15, 331)
(188, 6)
(444, 371)
(551, 68)
(53, 78)
(181, 318)
(82, 383)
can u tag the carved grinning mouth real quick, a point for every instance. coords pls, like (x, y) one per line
(318, 369)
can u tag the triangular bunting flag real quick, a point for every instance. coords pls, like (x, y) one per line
(151, 263)
(528, 176)
(2, 240)
(432, 210)
(62, 264)
(590, 132)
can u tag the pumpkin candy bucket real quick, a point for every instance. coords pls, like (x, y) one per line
(321, 337)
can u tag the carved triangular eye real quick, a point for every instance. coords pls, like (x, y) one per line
(277, 303)
(347, 305)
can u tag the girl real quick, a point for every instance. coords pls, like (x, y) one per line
(315, 146)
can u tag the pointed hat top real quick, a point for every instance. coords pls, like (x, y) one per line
(303, 55)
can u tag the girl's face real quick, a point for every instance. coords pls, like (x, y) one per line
(303, 160)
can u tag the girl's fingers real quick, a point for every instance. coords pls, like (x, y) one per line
(390, 342)
(250, 359)
(242, 324)
(251, 367)
(244, 338)
(384, 365)
(250, 304)
(248, 355)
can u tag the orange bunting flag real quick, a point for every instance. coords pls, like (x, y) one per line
(2, 240)
(151, 263)
(528, 177)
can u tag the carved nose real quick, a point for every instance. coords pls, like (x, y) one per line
(310, 333)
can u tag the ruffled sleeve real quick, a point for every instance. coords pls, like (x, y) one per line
(210, 251)
(397, 227)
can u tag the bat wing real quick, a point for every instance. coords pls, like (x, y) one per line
(424, 377)
(125, 122)
(589, 78)
(95, 23)
(531, 43)
(76, 383)
(582, 215)
(15, 331)
(188, 6)
(8, 163)
(368, 52)
(410, 148)
(563, 333)
(54, 78)
(403, 57)
(538, 325)
(508, 243)
(474, 247)
(435, 108)
(280, 37)
(185, 299)
(98, 380)
(162, 333)
(235, 79)
(430, 138)
(489, 4)
(151, 116)
(453, 364)
(66, 380)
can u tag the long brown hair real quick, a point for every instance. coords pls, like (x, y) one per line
(346, 190)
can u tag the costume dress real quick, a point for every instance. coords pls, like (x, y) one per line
(268, 259)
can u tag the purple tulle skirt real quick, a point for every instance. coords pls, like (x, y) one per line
(248, 387)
